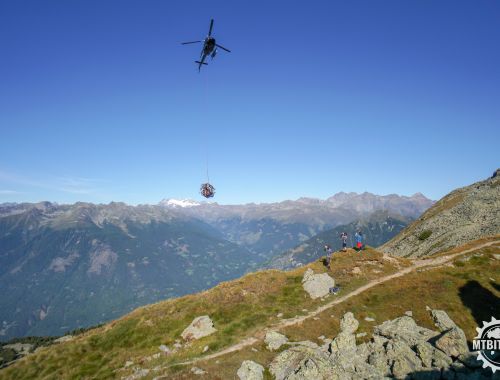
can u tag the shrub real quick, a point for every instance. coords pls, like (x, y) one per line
(424, 235)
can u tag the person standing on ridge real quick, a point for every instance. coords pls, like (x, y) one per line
(329, 255)
(359, 240)
(343, 238)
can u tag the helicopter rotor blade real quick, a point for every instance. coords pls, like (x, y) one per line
(223, 48)
(211, 26)
(190, 42)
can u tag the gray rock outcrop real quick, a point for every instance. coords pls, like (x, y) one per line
(400, 349)
(464, 215)
(317, 285)
(250, 370)
(274, 340)
(200, 327)
(300, 360)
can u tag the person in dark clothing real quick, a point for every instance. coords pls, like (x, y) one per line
(329, 254)
(343, 238)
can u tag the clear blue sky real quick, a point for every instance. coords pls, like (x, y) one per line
(100, 102)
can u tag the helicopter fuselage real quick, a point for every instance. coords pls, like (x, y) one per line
(208, 46)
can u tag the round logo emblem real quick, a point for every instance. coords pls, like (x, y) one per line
(487, 343)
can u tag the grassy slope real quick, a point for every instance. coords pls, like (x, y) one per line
(243, 307)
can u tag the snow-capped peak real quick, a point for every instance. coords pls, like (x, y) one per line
(179, 203)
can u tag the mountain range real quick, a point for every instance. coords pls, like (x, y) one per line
(388, 317)
(268, 229)
(69, 266)
(377, 229)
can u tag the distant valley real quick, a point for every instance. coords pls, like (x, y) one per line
(68, 266)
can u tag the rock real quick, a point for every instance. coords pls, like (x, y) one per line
(409, 313)
(274, 340)
(356, 270)
(348, 323)
(361, 335)
(431, 357)
(379, 360)
(313, 368)
(343, 342)
(453, 343)
(404, 360)
(280, 315)
(364, 370)
(363, 351)
(424, 351)
(21, 348)
(343, 347)
(177, 346)
(250, 370)
(368, 319)
(442, 321)
(198, 371)
(470, 360)
(379, 341)
(254, 349)
(165, 349)
(65, 338)
(298, 361)
(305, 343)
(128, 363)
(405, 329)
(199, 328)
(317, 285)
(138, 373)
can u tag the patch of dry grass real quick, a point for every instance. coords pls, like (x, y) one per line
(244, 307)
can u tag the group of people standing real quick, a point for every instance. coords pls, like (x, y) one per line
(358, 236)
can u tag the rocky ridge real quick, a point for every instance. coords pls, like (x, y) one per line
(399, 349)
(466, 214)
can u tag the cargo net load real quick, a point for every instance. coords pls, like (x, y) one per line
(207, 190)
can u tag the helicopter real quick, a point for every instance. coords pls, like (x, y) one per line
(209, 47)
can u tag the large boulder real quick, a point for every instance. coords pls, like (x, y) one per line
(378, 359)
(318, 368)
(343, 343)
(200, 327)
(250, 370)
(442, 321)
(405, 329)
(274, 340)
(295, 359)
(453, 343)
(317, 285)
(432, 357)
(348, 323)
(404, 360)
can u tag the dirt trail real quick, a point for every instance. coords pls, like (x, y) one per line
(417, 264)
